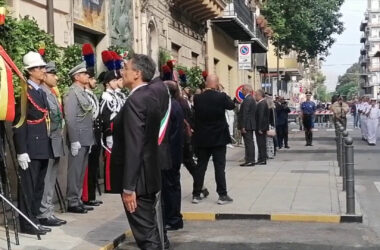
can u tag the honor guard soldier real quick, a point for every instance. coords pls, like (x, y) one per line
(46, 216)
(109, 108)
(91, 179)
(33, 145)
(79, 120)
(308, 109)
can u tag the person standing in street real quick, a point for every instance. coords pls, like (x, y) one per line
(373, 116)
(33, 145)
(79, 119)
(340, 110)
(363, 109)
(262, 126)
(46, 216)
(135, 153)
(247, 125)
(282, 113)
(211, 136)
(308, 110)
(171, 178)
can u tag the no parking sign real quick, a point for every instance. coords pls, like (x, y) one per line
(239, 94)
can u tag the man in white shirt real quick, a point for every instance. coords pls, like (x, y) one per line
(373, 116)
(363, 109)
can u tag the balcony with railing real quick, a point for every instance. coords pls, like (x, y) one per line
(201, 10)
(363, 60)
(363, 38)
(363, 25)
(238, 21)
(363, 50)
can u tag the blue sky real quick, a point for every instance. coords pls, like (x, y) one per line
(346, 50)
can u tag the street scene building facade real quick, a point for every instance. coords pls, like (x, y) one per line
(369, 53)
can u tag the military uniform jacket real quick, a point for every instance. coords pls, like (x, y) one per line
(56, 123)
(32, 137)
(78, 116)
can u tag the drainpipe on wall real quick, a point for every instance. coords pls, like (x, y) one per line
(50, 17)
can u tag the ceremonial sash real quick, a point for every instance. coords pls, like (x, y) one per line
(164, 123)
(7, 102)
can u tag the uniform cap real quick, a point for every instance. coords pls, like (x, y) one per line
(308, 93)
(50, 68)
(80, 68)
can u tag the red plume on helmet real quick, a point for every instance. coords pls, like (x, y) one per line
(88, 55)
(117, 59)
(170, 63)
(108, 60)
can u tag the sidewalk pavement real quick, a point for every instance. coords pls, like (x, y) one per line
(294, 189)
(299, 185)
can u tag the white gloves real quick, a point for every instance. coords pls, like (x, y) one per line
(23, 160)
(75, 146)
(109, 141)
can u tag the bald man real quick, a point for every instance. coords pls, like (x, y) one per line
(247, 125)
(211, 135)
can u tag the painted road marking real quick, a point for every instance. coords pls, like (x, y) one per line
(377, 184)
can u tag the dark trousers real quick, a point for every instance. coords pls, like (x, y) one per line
(249, 146)
(308, 126)
(188, 160)
(262, 146)
(143, 223)
(32, 186)
(171, 196)
(93, 168)
(282, 135)
(219, 158)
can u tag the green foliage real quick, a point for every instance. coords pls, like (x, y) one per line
(163, 57)
(72, 56)
(322, 94)
(352, 75)
(18, 37)
(348, 84)
(121, 50)
(304, 26)
(194, 78)
(349, 90)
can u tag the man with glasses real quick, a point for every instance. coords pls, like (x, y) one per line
(33, 146)
(78, 115)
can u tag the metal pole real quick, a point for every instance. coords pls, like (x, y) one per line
(339, 153)
(350, 193)
(344, 136)
(50, 17)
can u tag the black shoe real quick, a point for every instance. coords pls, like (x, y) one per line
(32, 231)
(205, 193)
(166, 243)
(88, 208)
(63, 222)
(50, 222)
(287, 147)
(44, 229)
(174, 227)
(243, 164)
(261, 163)
(196, 199)
(77, 210)
(93, 203)
(224, 200)
(249, 164)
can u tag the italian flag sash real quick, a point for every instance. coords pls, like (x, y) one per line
(165, 122)
(7, 100)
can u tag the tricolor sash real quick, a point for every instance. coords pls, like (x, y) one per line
(165, 122)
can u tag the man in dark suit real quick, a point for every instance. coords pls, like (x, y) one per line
(33, 145)
(135, 152)
(211, 137)
(262, 126)
(247, 125)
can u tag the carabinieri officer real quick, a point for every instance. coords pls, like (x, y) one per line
(308, 109)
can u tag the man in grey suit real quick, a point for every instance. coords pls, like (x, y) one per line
(47, 217)
(78, 115)
(247, 125)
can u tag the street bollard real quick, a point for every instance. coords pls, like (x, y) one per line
(343, 154)
(350, 175)
(340, 146)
